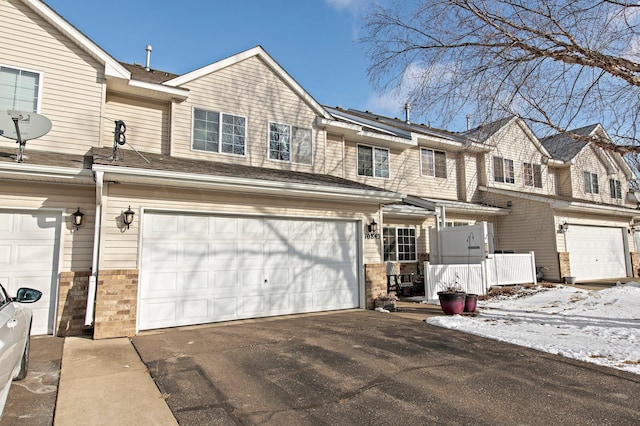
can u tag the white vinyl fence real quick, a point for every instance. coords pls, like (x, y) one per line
(477, 278)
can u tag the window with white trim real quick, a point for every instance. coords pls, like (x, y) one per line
(615, 186)
(532, 175)
(591, 183)
(399, 244)
(503, 170)
(433, 163)
(19, 89)
(218, 132)
(290, 143)
(448, 224)
(373, 161)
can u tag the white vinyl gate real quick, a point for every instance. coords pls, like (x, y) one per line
(596, 252)
(205, 268)
(29, 255)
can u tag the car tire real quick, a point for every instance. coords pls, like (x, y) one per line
(24, 362)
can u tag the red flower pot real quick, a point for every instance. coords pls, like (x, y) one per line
(452, 303)
(470, 303)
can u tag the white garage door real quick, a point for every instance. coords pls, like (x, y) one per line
(29, 253)
(596, 252)
(200, 268)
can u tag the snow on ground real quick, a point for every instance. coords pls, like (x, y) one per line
(597, 326)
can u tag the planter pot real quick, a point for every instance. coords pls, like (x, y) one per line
(470, 302)
(452, 303)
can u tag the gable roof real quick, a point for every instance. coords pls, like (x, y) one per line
(485, 131)
(566, 148)
(112, 67)
(563, 146)
(259, 52)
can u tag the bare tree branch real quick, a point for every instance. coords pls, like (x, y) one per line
(558, 64)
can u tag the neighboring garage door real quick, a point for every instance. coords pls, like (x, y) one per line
(202, 268)
(596, 252)
(29, 253)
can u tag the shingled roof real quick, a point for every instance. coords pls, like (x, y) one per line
(130, 159)
(138, 72)
(563, 146)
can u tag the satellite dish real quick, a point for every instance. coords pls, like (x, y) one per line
(22, 126)
(633, 197)
(31, 125)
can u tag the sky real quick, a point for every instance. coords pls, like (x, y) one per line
(597, 326)
(315, 41)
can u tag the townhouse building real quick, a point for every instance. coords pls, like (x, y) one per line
(229, 192)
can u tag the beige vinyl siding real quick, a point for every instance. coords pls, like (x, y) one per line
(529, 227)
(588, 160)
(513, 143)
(563, 182)
(147, 123)
(71, 80)
(252, 90)
(468, 170)
(404, 173)
(119, 249)
(77, 246)
(334, 158)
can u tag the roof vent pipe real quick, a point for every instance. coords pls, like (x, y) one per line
(407, 108)
(148, 63)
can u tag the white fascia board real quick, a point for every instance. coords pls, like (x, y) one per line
(429, 141)
(594, 208)
(256, 51)
(142, 176)
(404, 210)
(111, 66)
(356, 131)
(566, 204)
(456, 206)
(177, 93)
(44, 171)
(522, 195)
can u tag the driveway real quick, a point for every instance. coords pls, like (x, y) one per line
(366, 368)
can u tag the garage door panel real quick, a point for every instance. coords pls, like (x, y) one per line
(596, 252)
(29, 256)
(255, 267)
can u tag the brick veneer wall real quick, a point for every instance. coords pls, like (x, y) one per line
(116, 303)
(635, 264)
(565, 265)
(72, 303)
(375, 282)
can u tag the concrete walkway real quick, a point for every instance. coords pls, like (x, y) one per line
(104, 382)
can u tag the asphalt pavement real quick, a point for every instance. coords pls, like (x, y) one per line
(348, 367)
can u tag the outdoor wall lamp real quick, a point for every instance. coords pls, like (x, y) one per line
(563, 227)
(372, 231)
(127, 216)
(77, 218)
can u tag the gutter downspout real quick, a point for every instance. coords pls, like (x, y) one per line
(440, 224)
(93, 279)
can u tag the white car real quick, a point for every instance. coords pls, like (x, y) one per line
(15, 328)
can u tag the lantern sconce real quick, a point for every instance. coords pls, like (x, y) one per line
(563, 227)
(372, 231)
(77, 218)
(127, 216)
